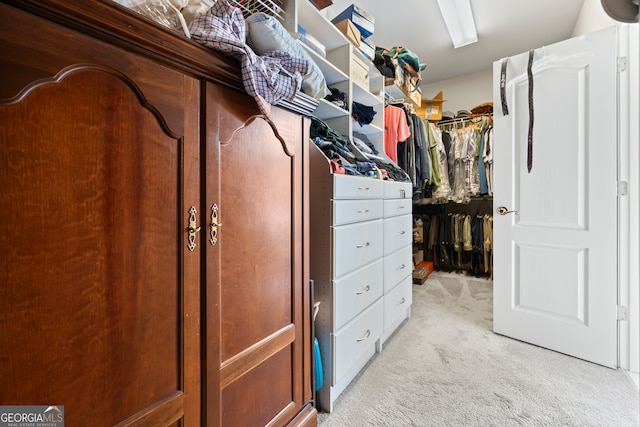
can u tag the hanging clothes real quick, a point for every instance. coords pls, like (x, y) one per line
(396, 130)
(482, 171)
(443, 191)
(459, 241)
(421, 156)
(487, 158)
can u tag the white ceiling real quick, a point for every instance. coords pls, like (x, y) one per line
(505, 28)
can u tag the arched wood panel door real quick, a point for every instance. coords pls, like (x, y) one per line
(257, 322)
(99, 298)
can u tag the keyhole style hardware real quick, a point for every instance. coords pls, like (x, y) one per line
(402, 301)
(366, 335)
(192, 229)
(364, 245)
(503, 210)
(213, 231)
(367, 289)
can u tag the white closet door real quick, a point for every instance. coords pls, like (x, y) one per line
(555, 274)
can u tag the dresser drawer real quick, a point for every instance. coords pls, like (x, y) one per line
(396, 207)
(398, 190)
(397, 301)
(353, 341)
(356, 187)
(356, 245)
(398, 232)
(350, 211)
(397, 266)
(356, 291)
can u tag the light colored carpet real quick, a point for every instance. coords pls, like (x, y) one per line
(446, 367)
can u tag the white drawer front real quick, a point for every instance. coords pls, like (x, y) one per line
(350, 211)
(395, 207)
(356, 187)
(356, 291)
(397, 301)
(397, 266)
(356, 245)
(352, 341)
(397, 190)
(397, 233)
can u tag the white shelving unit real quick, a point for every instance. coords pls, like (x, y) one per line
(338, 71)
(353, 238)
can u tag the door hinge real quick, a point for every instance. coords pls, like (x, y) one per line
(623, 64)
(623, 313)
(623, 188)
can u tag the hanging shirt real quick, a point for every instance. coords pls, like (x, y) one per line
(444, 190)
(487, 157)
(422, 165)
(433, 155)
(396, 130)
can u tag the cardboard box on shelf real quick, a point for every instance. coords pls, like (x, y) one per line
(321, 4)
(347, 28)
(431, 109)
(368, 48)
(360, 72)
(360, 18)
(403, 86)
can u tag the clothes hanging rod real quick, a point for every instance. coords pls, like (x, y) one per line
(461, 119)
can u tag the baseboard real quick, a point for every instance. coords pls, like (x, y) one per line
(635, 377)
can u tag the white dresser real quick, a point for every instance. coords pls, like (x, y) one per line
(398, 260)
(364, 293)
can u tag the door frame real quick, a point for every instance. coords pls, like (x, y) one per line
(629, 206)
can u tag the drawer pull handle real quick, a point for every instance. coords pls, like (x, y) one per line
(363, 245)
(364, 188)
(401, 267)
(402, 232)
(367, 289)
(366, 335)
(402, 301)
(363, 211)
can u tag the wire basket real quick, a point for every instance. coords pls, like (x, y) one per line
(270, 7)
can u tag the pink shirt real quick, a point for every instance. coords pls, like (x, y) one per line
(396, 130)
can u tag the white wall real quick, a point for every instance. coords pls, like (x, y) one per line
(462, 93)
(592, 17)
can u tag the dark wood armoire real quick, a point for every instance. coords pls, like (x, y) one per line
(153, 240)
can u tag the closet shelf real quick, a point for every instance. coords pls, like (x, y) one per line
(314, 23)
(366, 129)
(327, 110)
(331, 73)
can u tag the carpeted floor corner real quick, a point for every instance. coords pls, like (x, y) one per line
(446, 367)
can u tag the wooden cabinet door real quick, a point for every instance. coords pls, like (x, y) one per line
(99, 294)
(257, 347)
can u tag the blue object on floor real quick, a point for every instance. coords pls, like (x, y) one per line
(318, 363)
